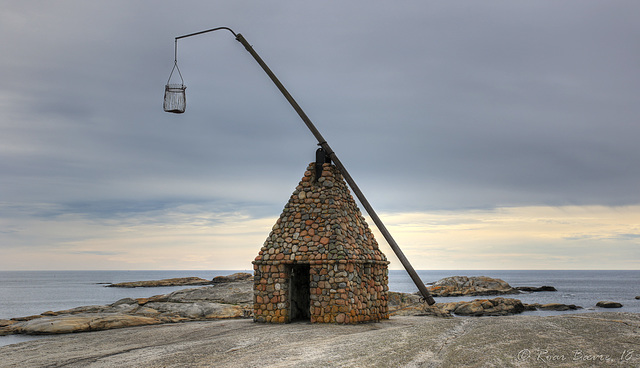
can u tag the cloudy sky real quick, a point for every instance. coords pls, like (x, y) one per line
(487, 134)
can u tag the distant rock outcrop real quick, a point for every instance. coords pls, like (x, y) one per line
(238, 276)
(478, 285)
(608, 304)
(180, 281)
(533, 289)
(470, 286)
(184, 281)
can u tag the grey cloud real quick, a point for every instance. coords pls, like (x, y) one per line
(429, 105)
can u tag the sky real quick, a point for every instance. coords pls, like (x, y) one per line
(487, 135)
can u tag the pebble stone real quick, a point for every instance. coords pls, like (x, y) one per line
(322, 226)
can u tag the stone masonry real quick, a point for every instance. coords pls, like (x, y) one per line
(322, 236)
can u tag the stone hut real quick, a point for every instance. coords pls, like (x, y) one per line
(321, 262)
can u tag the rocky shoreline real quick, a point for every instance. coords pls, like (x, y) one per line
(224, 300)
(575, 340)
(479, 285)
(231, 297)
(221, 333)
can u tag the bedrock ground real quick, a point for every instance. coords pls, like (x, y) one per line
(579, 340)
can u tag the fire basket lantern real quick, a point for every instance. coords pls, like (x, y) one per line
(175, 99)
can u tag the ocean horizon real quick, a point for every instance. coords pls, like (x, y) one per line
(24, 293)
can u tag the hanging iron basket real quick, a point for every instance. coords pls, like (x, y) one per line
(175, 99)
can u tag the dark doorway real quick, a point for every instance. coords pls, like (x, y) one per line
(299, 294)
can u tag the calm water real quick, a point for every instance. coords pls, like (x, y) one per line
(24, 293)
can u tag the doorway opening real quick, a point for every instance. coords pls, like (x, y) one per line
(299, 293)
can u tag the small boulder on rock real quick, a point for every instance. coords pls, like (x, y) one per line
(476, 308)
(608, 304)
(489, 307)
(398, 300)
(551, 307)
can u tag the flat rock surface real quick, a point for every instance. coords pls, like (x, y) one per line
(585, 340)
(223, 300)
(180, 281)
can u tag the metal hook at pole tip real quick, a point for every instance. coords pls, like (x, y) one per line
(207, 31)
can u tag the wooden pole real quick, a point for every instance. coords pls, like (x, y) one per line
(325, 146)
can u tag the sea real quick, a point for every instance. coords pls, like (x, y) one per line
(25, 293)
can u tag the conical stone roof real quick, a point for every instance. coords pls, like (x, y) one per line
(320, 223)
